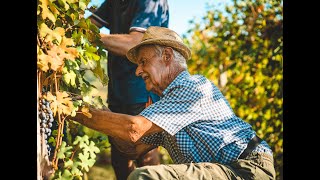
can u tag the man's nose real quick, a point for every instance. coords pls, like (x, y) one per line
(138, 71)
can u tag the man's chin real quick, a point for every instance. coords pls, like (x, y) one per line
(148, 88)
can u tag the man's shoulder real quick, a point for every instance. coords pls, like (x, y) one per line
(185, 84)
(187, 80)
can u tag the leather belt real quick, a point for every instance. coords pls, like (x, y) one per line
(253, 143)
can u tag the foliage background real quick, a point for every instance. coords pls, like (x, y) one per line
(240, 50)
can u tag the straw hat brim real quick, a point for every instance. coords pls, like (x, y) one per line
(178, 46)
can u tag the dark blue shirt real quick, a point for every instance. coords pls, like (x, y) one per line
(124, 86)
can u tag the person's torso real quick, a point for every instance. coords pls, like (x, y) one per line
(215, 133)
(124, 86)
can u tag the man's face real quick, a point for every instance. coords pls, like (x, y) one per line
(152, 69)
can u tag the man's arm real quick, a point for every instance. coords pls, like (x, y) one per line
(126, 127)
(119, 44)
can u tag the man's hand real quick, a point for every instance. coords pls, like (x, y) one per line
(127, 130)
(125, 147)
(131, 150)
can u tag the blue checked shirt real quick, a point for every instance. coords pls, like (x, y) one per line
(199, 124)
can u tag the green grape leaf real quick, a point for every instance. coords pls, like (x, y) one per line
(92, 149)
(82, 5)
(82, 141)
(68, 163)
(64, 151)
(86, 161)
(66, 175)
(75, 170)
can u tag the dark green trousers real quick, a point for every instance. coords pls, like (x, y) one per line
(254, 166)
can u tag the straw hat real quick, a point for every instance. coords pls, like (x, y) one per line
(161, 36)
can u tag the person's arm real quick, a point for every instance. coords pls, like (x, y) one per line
(119, 44)
(126, 127)
(148, 13)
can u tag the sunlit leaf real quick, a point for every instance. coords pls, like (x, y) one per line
(86, 161)
(70, 77)
(92, 149)
(82, 141)
(64, 151)
(46, 13)
(66, 175)
(61, 103)
(85, 111)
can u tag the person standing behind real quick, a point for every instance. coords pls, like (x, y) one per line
(127, 20)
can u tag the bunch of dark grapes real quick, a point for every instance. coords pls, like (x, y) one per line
(46, 120)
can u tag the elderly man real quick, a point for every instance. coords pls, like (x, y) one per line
(192, 120)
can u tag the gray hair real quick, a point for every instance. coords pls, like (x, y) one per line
(177, 55)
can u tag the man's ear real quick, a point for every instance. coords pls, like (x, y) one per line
(168, 54)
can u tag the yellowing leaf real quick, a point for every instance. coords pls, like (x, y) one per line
(53, 102)
(53, 9)
(44, 30)
(72, 52)
(85, 111)
(56, 61)
(46, 13)
(57, 34)
(65, 4)
(60, 103)
(43, 62)
(66, 104)
(238, 79)
(50, 34)
(66, 42)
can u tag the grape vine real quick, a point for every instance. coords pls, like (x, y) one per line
(70, 63)
(46, 117)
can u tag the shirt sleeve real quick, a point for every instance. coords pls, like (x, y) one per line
(103, 14)
(176, 110)
(150, 13)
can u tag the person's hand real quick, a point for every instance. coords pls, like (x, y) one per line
(85, 112)
(125, 147)
(77, 118)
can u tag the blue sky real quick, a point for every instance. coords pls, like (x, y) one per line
(181, 12)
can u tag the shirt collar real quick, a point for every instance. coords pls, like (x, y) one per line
(176, 81)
